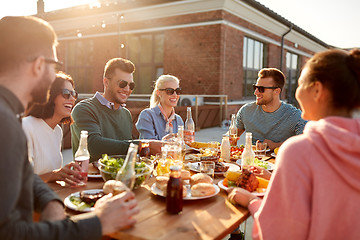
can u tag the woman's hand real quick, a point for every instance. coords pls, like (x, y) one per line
(240, 196)
(69, 174)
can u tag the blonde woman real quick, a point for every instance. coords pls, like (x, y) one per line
(160, 119)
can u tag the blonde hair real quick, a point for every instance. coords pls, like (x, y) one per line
(159, 83)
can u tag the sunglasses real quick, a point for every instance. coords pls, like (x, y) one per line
(66, 94)
(123, 84)
(262, 88)
(170, 91)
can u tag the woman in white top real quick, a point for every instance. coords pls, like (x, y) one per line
(45, 135)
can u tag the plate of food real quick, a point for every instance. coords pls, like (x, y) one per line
(187, 192)
(264, 164)
(83, 201)
(93, 171)
(220, 168)
(259, 194)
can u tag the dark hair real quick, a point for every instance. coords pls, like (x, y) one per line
(23, 39)
(120, 63)
(339, 72)
(277, 76)
(47, 109)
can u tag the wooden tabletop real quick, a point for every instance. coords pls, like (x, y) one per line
(211, 218)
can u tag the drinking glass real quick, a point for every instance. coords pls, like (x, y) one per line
(260, 150)
(207, 167)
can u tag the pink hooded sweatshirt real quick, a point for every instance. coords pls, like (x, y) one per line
(314, 192)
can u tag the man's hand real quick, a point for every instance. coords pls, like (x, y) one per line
(116, 212)
(53, 211)
(272, 145)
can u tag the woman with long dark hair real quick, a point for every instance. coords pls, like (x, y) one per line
(45, 135)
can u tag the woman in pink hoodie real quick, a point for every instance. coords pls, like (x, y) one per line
(314, 192)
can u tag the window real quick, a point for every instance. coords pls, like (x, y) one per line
(253, 61)
(146, 51)
(292, 75)
(79, 63)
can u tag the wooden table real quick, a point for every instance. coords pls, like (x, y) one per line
(211, 218)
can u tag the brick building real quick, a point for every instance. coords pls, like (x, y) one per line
(213, 46)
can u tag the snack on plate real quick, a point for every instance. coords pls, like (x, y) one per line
(236, 152)
(114, 187)
(263, 183)
(185, 174)
(221, 167)
(161, 183)
(202, 189)
(248, 181)
(232, 175)
(200, 178)
(90, 198)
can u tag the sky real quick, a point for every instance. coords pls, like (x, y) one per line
(332, 21)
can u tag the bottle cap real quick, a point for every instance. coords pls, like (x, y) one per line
(175, 167)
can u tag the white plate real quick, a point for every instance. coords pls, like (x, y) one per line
(94, 175)
(72, 206)
(273, 154)
(156, 191)
(221, 185)
(270, 166)
(196, 167)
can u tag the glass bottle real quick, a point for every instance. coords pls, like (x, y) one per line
(225, 148)
(189, 129)
(126, 174)
(82, 157)
(248, 155)
(233, 138)
(174, 191)
(181, 141)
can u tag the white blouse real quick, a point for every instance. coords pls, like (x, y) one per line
(44, 144)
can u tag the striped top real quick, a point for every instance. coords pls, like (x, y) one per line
(276, 126)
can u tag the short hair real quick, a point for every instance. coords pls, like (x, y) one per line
(277, 76)
(339, 71)
(46, 110)
(159, 83)
(118, 63)
(23, 39)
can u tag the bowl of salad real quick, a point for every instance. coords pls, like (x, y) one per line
(110, 165)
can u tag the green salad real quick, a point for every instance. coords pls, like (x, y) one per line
(80, 205)
(111, 165)
(260, 163)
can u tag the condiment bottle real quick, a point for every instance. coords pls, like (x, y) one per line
(248, 155)
(189, 129)
(225, 148)
(233, 138)
(174, 191)
(82, 157)
(181, 141)
(126, 174)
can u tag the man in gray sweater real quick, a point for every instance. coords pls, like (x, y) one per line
(27, 60)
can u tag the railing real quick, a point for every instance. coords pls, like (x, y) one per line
(223, 103)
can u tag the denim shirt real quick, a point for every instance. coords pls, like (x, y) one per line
(151, 124)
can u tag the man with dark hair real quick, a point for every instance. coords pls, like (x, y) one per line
(269, 119)
(105, 117)
(27, 59)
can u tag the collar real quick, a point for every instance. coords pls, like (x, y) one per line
(106, 102)
(13, 102)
